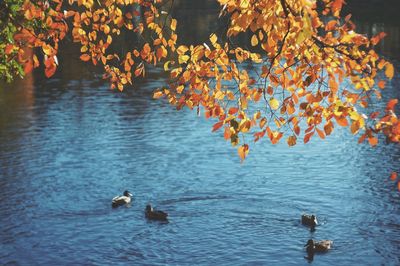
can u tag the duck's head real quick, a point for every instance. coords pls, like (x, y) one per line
(310, 242)
(127, 193)
(149, 208)
(314, 219)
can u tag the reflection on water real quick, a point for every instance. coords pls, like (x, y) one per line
(68, 145)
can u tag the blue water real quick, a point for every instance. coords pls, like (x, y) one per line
(69, 145)
(66, 148)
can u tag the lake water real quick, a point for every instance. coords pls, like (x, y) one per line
(69, 144)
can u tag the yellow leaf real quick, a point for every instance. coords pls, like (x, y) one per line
(182, 49)
(47, 49)
(183, 59)
(245, 125)
(254, 40)
(157, 94)
(213, 38)
(274, 103)
(173, 24)
(180, 88)
(166, 65)
(243, 151)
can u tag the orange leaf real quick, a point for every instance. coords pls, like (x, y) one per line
(373, 141)
(389, 72)
(393, 176)
(381, 84)
(85, 57)
(227, 133)
(243, 151)
(9, 49)
(292, 140)
(342, 121)
(49, 71)
(308, 136)
(321, 133)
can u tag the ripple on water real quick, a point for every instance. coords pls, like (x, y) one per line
(65, 155)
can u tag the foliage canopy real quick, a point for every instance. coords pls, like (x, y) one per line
(303, 72)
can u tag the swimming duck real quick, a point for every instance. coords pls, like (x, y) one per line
(122, 200)
(309, 220)
(155, 215)
(318, 246)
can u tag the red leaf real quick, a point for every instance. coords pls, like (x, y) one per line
(217, 126)
(374, 115)
(28, 66)
(233, 110)
(391, 104)
(362, 138)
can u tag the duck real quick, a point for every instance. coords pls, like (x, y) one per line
(152, 214)
(321, 246)
(309, 220)
(122, 200)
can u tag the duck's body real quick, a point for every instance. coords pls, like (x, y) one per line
(317, 246)
(122, 200)
(309, 220)
(323, 245)
(155, 215)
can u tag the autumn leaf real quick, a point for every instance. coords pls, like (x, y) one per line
(217, 126)
(389, 72)
(391, 104)
(254, 40)
(157, 94)
(85, 57)
(373, 141)
(173, 24)
(292, 140)
(274, 103)
(342, 121)
(308, 136)
(393, 176)
(243, 151)
(321, 133)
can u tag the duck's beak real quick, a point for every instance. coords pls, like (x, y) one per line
(130, 194)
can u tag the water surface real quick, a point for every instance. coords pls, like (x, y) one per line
(68, 145)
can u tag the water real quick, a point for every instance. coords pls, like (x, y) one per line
(68, 145)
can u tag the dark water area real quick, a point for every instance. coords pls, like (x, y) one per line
(69, 144)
